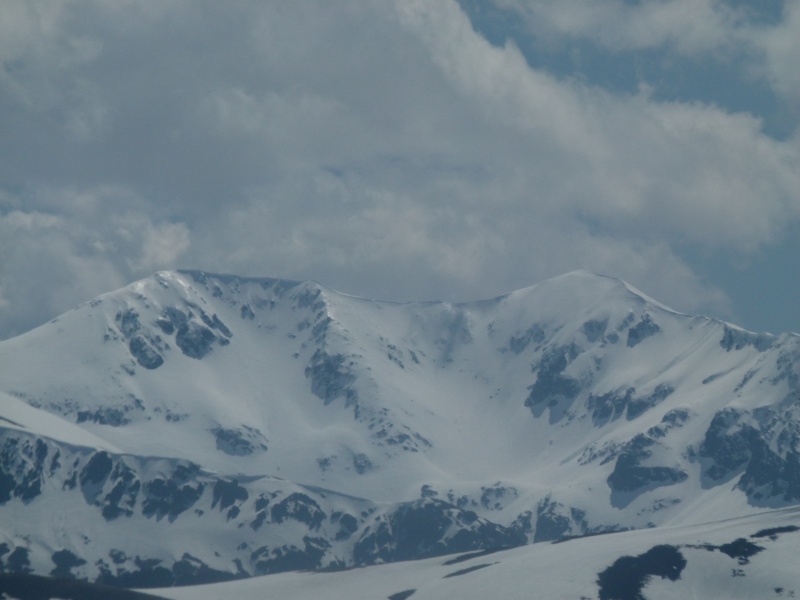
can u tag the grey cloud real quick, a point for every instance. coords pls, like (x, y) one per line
(762, 35)
(691, 170)
(687, 26)
(384, 149)
(780, 47)
(77, 245)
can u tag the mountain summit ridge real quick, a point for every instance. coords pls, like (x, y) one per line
(274, 424)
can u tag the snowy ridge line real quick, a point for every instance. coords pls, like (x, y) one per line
(572, 407)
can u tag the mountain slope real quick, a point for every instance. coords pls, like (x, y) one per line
(750, 557)
(297, 427)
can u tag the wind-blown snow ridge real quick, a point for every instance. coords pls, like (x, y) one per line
(270, 425)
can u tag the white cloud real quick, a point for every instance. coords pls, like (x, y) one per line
(696, 29)
(153, 246)
(385, 149)
(780, 45)
(669, 169)
(79, 244)
(687, 26)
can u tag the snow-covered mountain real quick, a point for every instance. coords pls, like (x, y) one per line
(194, 427)
(746, 558)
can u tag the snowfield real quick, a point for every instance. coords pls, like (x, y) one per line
(193, 427)
(751, 557)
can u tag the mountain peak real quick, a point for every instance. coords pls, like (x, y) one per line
(198, 402)
(593, 282)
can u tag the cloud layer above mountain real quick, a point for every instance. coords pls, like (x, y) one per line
(388, 149)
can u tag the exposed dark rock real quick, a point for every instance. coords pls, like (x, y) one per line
(637, 406)
(727, 444)
(64, 562)
(144, 353)
(261, 504)
(36, 587)
(226, 493)
(18, 560)
(554, 521)
(94, 475)
(736, 339)
(194, 340)
(128, 322)
(594, 330)
(170, 497)
(348, 525)
(121, 500)
(214, 322)
(672, 419)
(310, 298)
(769, 477)
(7, 484)
(149, 573)
(105, 415)
(299, 507)
(22, 467)
(609, 406)
(523, 524)
(290, 558)
(492, 496)
(362, 463)
(419, 530)
(732, 445)
(642, 330)
(261, 517)
(535, 334)
(630, 476)
(550, 524)
(172, 319)
(740, 549)
(676, 417)
(552, 386)
(774, 532)
(331, 377)
(239, 442)
(626, 578)
(193, 571)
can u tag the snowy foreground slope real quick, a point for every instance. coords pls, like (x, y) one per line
(194, 427)
(746, 558)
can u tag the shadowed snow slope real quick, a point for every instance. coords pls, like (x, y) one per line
(196, 427)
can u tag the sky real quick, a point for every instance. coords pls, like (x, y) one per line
(403, 149)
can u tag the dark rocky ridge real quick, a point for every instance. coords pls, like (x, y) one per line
(117, 488)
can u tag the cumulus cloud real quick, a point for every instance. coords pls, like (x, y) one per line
(690, 170)
(76, 245)
(717, 30)
(780, 45)
(386, 149)
(687, 26)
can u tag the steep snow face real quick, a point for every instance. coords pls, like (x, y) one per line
(575, 406)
